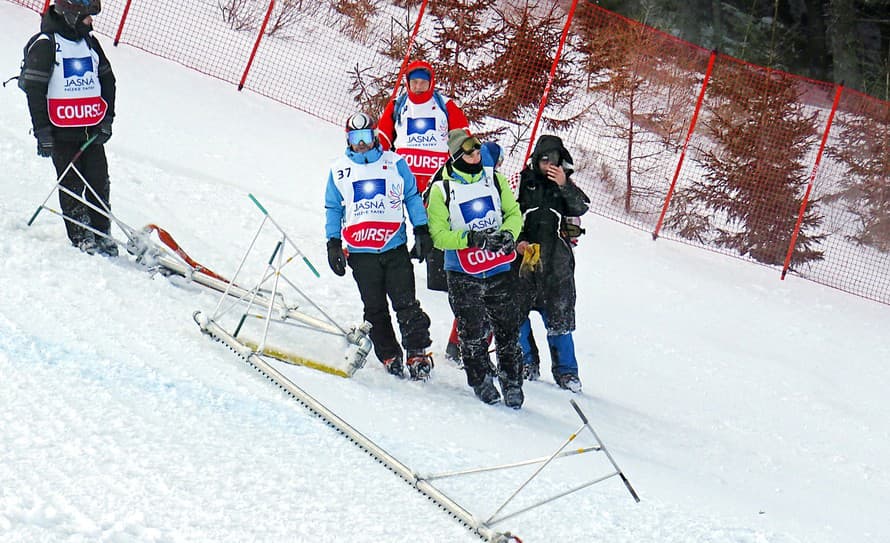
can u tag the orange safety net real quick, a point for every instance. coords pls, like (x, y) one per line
(667, 137)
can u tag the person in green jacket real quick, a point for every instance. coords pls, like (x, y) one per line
(474, 218)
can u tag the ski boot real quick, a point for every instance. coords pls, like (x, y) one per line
(512, 391)
(107, 247)
(569, 381)
(531, 372)
(86, 242)
(513, 396)
(487, 392)
(394, 365)
(420, 365)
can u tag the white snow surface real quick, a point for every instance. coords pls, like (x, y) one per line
(742, 408)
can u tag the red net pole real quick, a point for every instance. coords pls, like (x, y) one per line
(395, 89)
(701, 97)
(256, 44)
(120, 27)
(543, 104)
(806, 196)
(45, 7)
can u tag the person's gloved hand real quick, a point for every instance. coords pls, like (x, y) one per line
(45, 141)
(491, 239)
(103, 133)
(477, 238)
(500, 240)
(423, 242)
(531, 260)
(336, 258)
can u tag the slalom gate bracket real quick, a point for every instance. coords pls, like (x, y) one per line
(258, 318)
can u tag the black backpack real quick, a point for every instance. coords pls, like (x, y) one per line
(34, 38)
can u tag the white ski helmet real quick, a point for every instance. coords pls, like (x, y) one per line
(362, 121)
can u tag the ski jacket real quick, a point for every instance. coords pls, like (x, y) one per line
(419, 129)
(68, 80)
(544, 206)
(366, 198)
(474, 202)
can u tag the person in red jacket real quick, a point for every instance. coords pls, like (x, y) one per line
(415, 124)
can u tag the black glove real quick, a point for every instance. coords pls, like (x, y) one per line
(44, 141)
(500, 240)
(423, 242)
(477, 238)
(491, 239)
(103, 133)
(336, 258)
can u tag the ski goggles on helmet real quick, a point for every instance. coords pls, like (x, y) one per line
(355, 137)
(470, 145)
(87, 7)
(551, 157)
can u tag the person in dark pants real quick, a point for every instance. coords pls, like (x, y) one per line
(547, 197)
(368, 192)
(474, 218)
(71, 95)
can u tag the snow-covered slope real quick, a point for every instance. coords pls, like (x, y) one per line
(741, 407)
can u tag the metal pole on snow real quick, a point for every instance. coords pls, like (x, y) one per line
(59, 179)
(605, 450)
(294, 245)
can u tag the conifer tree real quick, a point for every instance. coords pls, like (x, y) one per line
(462, 48)
(643, 87)
(755, 174)
(863, 147)
(524, 49)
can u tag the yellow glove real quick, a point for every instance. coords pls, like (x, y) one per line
(531, 260)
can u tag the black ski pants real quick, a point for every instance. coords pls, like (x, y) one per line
(390, 274)
(480, 306)
(93, 165)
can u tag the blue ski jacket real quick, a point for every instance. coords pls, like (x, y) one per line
(411, 200)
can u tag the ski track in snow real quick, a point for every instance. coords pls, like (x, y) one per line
(742, 408)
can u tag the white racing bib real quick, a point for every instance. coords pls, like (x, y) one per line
(422, 136)
(74, 95)
(373, 196)
(477, 206)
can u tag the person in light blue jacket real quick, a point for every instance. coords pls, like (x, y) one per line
(369, 190)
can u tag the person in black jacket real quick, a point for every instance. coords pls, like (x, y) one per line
(547, 196)
(71, 95)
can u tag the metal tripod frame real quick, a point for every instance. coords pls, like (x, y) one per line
(545, 461)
